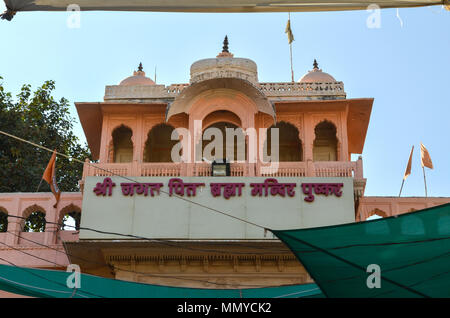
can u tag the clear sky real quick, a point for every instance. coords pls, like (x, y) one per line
(404, 67)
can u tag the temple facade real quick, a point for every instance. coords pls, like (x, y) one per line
(133, 132)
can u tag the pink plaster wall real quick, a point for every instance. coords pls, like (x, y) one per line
(390, 206)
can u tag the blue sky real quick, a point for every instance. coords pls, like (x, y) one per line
(405, 68)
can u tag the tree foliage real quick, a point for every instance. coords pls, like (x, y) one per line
(35, 222)
(3, 222)
(76, 219)
(37, 117)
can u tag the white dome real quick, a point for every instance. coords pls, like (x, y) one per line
(224, 65)
(317, 76)
(138, 78)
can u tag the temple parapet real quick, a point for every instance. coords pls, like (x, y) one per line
(334, 90)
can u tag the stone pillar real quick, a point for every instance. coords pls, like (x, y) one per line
(135, 168)
(14, 223)
(310, 169)
(309, 138)
(51, 229)
(359, 169)
(14, 227)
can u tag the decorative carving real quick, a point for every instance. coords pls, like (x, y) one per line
(280, 264)
(183, 265)
(161, 263)
(127, 93)
(235, 264)
(258, 264)
(205, 264)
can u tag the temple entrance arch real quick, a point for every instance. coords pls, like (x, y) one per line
(224, 140)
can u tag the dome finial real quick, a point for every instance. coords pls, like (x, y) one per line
(225, 45)
(225, 52)
(140, 68)
(315, 65)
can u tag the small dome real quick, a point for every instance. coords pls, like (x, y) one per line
(138, 78)
(224, 65)
(316, 76)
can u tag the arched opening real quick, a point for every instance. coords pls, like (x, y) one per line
(71, 221)
(3, 220)
(158, 147)
(234, 148)
(121, 145)
(325, 143)
(289, 144)
(35, 222)
(70, 218)
(376, 214)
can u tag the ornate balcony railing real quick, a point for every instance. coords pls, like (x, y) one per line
(352, 169)
(302, 89)
(282, 89)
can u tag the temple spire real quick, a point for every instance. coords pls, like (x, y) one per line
(225, 52)
(225, 45)
(315, 65)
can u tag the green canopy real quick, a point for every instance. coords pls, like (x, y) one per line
(412, 251)
(52, 283)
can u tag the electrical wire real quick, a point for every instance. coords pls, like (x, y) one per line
(166, 242)
(212, 209)
(132, 180)
(45, 278)
(353, 264)
(121, 269)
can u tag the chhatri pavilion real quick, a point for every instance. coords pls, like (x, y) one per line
(180, 242)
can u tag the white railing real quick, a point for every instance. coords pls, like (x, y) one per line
(107, 169)
(161, 169)
(282, 169)
(335, 169)
(118, 92)
(302, 89)
(352, 169)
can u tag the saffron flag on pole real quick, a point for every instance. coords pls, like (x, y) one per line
(289, 32)
(50, 177)
(425, 157)
(408, 167)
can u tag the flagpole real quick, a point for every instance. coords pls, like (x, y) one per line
(290, 49)
(39, 185)
(425, 181)
(403, 181)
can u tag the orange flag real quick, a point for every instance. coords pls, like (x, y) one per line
(50, 177)
(408, 167)
(425, 157)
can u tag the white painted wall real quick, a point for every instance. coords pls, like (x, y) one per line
(168, 217)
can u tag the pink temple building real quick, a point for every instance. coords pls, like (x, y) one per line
(129, 134)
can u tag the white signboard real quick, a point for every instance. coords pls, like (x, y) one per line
(177, 208)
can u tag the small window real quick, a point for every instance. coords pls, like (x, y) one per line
(35, 222)
(71, 221)
(3, 222)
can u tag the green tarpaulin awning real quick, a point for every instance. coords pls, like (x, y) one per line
(412, 252)
(52, 283)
